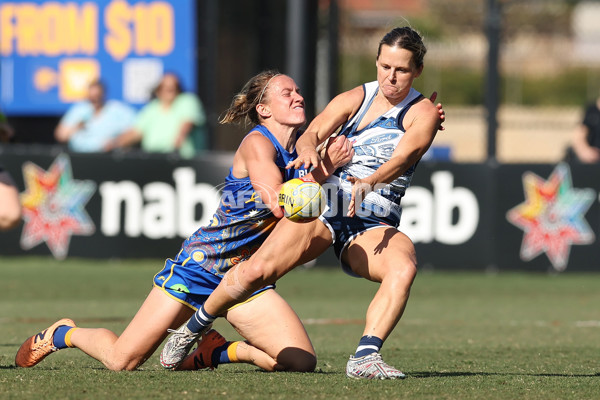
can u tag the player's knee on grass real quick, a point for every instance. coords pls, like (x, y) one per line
(124, 362)
(121, 365)
(296, 360)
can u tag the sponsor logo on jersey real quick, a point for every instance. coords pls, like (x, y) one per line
(386, 137)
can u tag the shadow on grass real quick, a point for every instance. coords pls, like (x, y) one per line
(436, 374)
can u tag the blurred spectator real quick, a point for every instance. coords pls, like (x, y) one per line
(586, 138)
(10, 205)
(6, 131)
(89, 125)
(172, 121)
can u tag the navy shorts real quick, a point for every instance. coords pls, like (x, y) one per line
(187, 282)
(344, 229)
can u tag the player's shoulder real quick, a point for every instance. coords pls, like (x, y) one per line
(357, 94)
(255, 143)
(422, 109)
(349, 101)
(424, 105)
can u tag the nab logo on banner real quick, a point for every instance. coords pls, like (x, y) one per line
(54, 206)
(552, 216)
(429, 216)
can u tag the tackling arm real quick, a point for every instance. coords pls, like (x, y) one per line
(256, 159)
(338, 111)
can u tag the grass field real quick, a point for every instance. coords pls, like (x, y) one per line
(463, 336)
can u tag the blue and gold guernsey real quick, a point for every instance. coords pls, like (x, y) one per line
(239, 226)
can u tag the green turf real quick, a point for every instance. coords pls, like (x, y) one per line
(464, 336)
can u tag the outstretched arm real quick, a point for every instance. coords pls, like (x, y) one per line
(338, 153)
(337, 112)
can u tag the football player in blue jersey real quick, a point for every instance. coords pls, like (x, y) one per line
(391, 126)
(248, 212)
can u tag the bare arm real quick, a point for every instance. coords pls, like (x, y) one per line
(63, 132)
(256, 159)
(337, 112)
(338, 153)
(128, 138)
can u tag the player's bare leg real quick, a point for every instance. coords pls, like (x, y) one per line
(271, 326)
(140, 339)
(289, 245)
(275, 339)
(386, 256)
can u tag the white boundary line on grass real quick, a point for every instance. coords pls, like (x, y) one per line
(540, 323)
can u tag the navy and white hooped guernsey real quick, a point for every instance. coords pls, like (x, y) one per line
(373, 145)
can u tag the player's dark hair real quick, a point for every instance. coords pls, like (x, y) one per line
(243, 105)
(405, 38)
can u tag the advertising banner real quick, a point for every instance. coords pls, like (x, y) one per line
(51, 50)
(446, 213)
(534, 217)
(549, 219)
(102, 206)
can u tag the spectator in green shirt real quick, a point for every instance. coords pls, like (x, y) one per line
(174, 121)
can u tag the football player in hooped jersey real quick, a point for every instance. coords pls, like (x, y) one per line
(391, 126)
(247, 214)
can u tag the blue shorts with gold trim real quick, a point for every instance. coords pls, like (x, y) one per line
(187, 282)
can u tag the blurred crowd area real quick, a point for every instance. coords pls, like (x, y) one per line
(549, 66)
